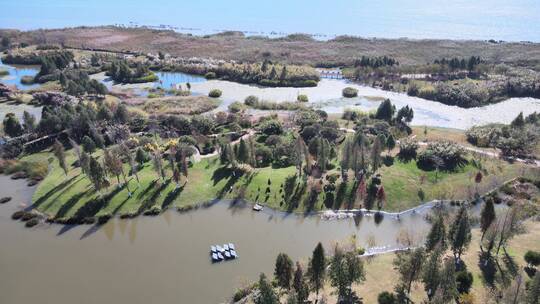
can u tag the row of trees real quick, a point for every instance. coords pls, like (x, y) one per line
(120, 71)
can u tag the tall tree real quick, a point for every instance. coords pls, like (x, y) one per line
(409, 266)
(300, 284)
(447, 290)
(385, 111)
(437, 234)
(487, 216)
(29, 122)
(126, 152)
(157, 161)
(317, 268)
(12, 127)
(533, 291)
(58, 150)
(266, 293)
(390, 143)
(431, 274)
(243, 152)
(345, 269)
(459, 234)
(376, 150)
(283, 270)
(96, 174)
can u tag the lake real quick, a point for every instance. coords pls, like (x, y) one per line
(165, 259)
(16, 73)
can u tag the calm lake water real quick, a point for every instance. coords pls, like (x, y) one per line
(165, 259)
(16, 73)
(511, 20)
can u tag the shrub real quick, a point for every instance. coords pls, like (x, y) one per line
(103, 219)
(302, 98)
(27, 80)
(236, 107)
(271, 127)
(407, 149)
(386, 297)
(17, 215)
(464, 280)
(532, 258)
(4, 72)
(215, 93)
(32, 222)
(349, 92)
(28, 216)
(153, 211)
(210, 75)
(251, 100)
(443, 155)
(4, 200)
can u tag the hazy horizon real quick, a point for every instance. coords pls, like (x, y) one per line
(417, 19)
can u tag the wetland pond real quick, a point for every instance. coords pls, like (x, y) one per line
(165, 259)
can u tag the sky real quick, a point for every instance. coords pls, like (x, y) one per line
(511, 20)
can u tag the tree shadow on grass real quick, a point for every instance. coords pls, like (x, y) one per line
(148, 188)
(151, 200)
(222, 173)
(230, 182)
(70, 204)
(488, 268)
(171, 196)
(49, 193)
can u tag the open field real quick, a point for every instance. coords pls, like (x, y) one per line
(299, 50)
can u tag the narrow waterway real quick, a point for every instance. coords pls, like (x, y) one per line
(165, 259)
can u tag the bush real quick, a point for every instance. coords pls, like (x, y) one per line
(153, 211)
(349, 92)
(210, 75)
(28, 216)
(17, 215)
(442, 155)
(302, 98)
(386, 297)
(215, 93)
(271, 127)
(532, 258)
(4, 200)
(464, 280)
(251, 100)
(32, 222)
(407, 149)
(103, 219)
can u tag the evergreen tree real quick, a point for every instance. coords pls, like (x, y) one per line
(267, 294)
(345, 269)
(519, 121)
(317, 268)
(243, 152)
(122, 115)
(533, 291)
(447, 289)
(431, 274)
(376, 150)
(158, 164)
(96, 174)
(283, 76)
(385, 111)
(487, 216)
(459, 234)
(12, 127)
(300, 284)
(124, 149)
(88, 144)
(390, 142)
(29, 122)
(58, 150)
(409, 266)
(141, 156)
(437, 234)
(283, 270)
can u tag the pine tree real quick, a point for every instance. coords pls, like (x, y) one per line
(96, 174)
(447, 289)
(431, 274)
(437, 234)
(283, 271)
(12, 127)
(385, 111)
(29, 122)
(459, 234)
(390, 142)
(317, 268)
(487, 216)
(267, 294)
(158, 164)
(58, 150)
(376, 150)
(300, 285)
(409, 266)
(519, 121)
(126, 152)
(533, 291)
(243, 152)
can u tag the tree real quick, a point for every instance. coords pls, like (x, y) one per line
(96, 174)
(267, 295)
(6, 42)
(114, 165)
(141, 156)
(58, 150)
(437, 234)
(386, 297)
(487, 216)
(124, 150)
(300, 285)
(532, 258)
(88, 144)
(283, 270)
(447, 289)
(459, 234)
(533, 292)
(431, 274)
(345, 269)
(385, 111)
(12, 127)
(464, 280)
(519, 121)
(122, 115)
(390, 142)
(376, 150)
(283, 75)
(243, 152)
(317, 268)
(158, 164)
(29, 122)
(409, 266)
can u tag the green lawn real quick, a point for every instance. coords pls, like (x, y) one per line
(402, 182)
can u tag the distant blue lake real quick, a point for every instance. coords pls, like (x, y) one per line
(510, 20)
(16, 73)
